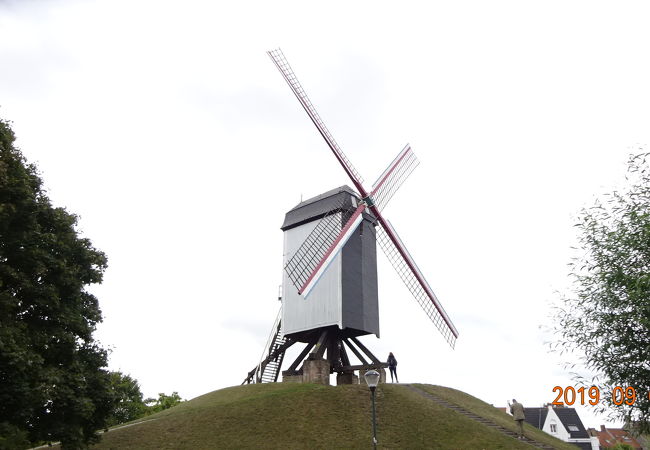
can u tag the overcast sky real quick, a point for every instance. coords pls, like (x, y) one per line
(168, 130)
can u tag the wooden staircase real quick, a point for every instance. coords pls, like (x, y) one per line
(268, 369)
(477, 418)
(269, 372)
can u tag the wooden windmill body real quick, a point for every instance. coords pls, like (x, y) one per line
(329, 290)
(346, 294)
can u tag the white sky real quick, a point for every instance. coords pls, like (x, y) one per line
(166, 127)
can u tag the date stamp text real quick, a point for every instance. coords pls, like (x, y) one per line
(591, 396)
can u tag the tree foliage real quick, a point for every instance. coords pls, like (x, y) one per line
(53, 382)
(607, 317)
(128, 403)
(621, 446)
(163, 402)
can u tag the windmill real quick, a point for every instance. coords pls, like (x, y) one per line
(329, 294)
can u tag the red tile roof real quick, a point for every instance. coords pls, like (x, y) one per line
(609, 437)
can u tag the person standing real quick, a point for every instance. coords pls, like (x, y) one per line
(392, 366)
(517, 411)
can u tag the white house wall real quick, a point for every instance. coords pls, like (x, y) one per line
(323, 305)
(561, 432)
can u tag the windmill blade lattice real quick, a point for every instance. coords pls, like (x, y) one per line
(346, 232)
(313, 249)
(283, 66)
(393, 177)
(421, 291)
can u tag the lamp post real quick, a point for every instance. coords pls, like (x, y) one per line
(372, 379)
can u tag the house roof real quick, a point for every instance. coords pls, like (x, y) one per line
(536, 416)
(567, 416)
(609, 437)
(572, 423)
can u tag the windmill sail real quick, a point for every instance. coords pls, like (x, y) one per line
(416, 283)
(285, 69)
(393, 177)
(323, 244)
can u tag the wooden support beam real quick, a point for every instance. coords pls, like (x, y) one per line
(334, 351)
(355, 351)
(322, 340)
(344, 355)
(250, 376)
(365, 367)
(299, 359)
(365, 350)
(279, 361)
(319, 349)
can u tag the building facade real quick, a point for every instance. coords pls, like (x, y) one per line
(562, 423)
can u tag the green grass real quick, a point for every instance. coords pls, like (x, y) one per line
(309, 416)
(488, 411)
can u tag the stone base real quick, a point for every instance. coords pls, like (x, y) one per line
(382, 376)
(346, 378)
(316, 371)
(291, 378)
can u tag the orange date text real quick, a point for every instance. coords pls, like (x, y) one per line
(583, 396)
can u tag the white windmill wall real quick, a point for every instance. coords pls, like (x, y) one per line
(323, 306)
(346, 295)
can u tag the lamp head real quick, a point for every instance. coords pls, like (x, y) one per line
(372, 378)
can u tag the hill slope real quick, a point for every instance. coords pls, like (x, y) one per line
(304, 416)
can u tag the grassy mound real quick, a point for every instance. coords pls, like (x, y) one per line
(300, 416)
(488, 411)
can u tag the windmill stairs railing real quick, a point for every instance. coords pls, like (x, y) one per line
(268, 369)
(477, 418)
(268, 372)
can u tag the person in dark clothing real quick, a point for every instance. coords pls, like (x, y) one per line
(392, 366)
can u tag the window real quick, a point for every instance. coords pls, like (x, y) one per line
(553, 428)
(573, 428)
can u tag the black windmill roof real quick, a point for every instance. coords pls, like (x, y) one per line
(316, 207)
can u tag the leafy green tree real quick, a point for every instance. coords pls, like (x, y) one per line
(12, 437)
(163, 402)
(53, 381)
(607, 317)
(621, 446)
(128, 404)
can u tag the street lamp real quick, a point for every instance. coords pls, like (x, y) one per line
(372, 379)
